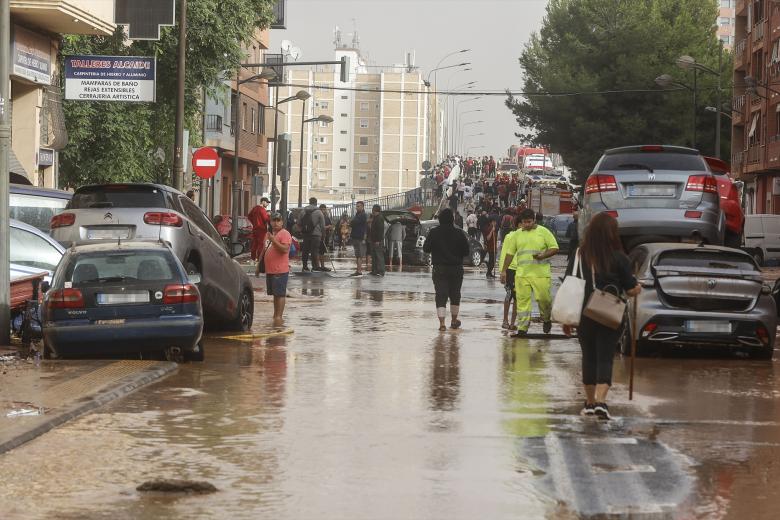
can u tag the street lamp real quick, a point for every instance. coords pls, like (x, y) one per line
(268, 75)
(715, 110)
(427, 81)
(456, 117)
(688, 62)
(459, 143)
(666, 81)
(468, 150)
(322, 119)
(301, 95)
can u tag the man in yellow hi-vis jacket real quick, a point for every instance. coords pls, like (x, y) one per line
(526, 253)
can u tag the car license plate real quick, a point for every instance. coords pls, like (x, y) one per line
(110, 322)
(710, 326)
(108, 234)
(123, 297)
(651, 190)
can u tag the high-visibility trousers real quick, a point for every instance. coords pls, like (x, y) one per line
(541, 290)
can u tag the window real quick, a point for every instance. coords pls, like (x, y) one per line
(149, 266)
(363, 106)
(364, 123)
(777, 122)
(363, 158)
(363, 176)
(36, 211)
(725, 3)
(322, 124)
(196, 215)
(322, 157)
(724, 21)
(343, 115)
(324, 105)
(323, 140)
(726, 39)
(261, 119)
(342, 167)
(342, 149)
(30, 250)
(364, 141)
(344, 97)
(344, 132)
(254, 120)
(243, 119)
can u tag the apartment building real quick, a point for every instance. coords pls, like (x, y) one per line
(220, 124)
(726, 22)
(37, 121)
(380, 135)
(755, 137)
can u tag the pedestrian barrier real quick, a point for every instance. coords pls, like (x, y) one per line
(403, 200)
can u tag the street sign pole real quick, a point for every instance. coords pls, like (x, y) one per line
(5, 148)
(178, 147)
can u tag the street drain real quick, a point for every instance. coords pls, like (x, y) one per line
(172, 485)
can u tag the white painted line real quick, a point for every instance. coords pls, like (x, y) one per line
(205, 162)
(609, 440)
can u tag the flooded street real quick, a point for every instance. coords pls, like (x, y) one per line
(366, 411)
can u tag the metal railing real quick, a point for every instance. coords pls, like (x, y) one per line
(737, 159)
(754, 154)
(758, 31)
(739, 50)
(738, 103)
(403, 200)
(213, 123)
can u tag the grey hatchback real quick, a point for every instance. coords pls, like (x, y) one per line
(657, 194)
(701, 296)
(120, 212)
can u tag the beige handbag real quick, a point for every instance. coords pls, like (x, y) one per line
(604, 307)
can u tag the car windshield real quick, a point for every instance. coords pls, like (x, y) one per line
(118, 196)
(36, 210)
(706, 259)
(652, 161)
(150, 266)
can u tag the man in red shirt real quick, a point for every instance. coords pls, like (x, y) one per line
(260, 221)
(277, 265)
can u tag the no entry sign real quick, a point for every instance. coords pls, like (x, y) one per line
(205, 162)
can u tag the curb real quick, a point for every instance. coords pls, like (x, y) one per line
(121, 389)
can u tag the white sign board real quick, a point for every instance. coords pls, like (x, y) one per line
(110, 78)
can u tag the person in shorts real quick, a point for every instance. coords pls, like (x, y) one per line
(510, 299)
(277, 265)
(359, 226)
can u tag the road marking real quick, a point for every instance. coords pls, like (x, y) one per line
(255, 335)
(609, 440)
(634, 468)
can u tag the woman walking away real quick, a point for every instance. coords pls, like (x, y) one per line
(601, 253)
(447, 247)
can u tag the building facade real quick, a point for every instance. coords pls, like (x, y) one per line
(726, 22)
(381, 132)
(755, 106)
(37, 120)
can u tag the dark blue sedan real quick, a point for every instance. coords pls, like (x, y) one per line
(128, 298)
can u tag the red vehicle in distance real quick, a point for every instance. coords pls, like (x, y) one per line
(730, 201)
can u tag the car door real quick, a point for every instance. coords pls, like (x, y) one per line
(219, 277)
(771, 224)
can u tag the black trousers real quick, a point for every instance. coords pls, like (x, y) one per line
(598, 344)
(311, 246)
(447, 281)
(491, 261)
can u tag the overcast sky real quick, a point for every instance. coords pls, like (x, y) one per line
(494, 30)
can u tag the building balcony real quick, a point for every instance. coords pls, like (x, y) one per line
(737, 161)
(214, 123)
(738, 109)
(66, 16)
(754, 155)
(773, 152)
(740, 54)
(757, 34)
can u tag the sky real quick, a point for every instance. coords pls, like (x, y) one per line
(495, 30)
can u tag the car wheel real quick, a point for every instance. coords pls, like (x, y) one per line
(245, 312)
(758, 256)
(476, 258)
(195, 355)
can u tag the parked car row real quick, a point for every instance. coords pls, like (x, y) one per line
(135, 267)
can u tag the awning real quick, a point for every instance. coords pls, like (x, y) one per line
(753, 125)
(15, 166)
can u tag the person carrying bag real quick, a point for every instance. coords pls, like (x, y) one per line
(601, 255)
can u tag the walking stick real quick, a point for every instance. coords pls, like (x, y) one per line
(632, 326)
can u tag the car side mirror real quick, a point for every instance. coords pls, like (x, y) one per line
(236, 249)
(44, 287)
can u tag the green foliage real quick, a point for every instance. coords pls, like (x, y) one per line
(604, 46)
(119, 142)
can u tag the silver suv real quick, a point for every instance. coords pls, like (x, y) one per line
(121, 212)
(657, 194)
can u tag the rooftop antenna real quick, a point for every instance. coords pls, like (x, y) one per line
(337, 37)
(355, 37)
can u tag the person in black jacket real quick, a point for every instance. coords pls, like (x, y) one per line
(376, 235)
(601, 254)
(447, 246)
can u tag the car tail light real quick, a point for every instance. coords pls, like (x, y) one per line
(693, 214)
(649, 328)
(762, 334)
(612, 213)
(180, 293)
(705, 183)
(600, 184)
(65, 299)
(62, 220)
(158, 218)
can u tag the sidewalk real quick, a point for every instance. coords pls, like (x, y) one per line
(38, 398)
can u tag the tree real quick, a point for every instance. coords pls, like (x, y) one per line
(124, 142)
(590, 71)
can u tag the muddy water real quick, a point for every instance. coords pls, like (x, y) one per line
(368, 412)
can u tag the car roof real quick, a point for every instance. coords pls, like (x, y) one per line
(666, 148)
(23, 189)
(146, 184)
(129, 245)
(661, 247)
(35, 231)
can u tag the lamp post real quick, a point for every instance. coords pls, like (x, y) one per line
(456, 105)
(267, 74)
(321, 118)
(468, 150)
(452, 138)
(666, 81)
(460, 130)
(688, 62)
(437, 68)
(301, 95)
(721, 112)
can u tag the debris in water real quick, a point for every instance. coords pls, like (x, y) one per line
(25, 412)
(172, 485)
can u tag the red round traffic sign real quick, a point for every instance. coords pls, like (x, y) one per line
(205, 162)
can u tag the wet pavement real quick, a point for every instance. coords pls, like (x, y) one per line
(366, 411)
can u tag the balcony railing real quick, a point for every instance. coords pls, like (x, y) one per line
(738, 103)
(774, 138)
(754, 154)
(737, 159)
(739, 53)
(213, 123)
(758, 31)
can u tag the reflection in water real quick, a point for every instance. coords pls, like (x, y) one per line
(445, 379)
(524, 392)
(313, 291)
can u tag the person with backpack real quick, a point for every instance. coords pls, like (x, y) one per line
(312, 226)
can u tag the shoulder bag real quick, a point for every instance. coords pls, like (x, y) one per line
(603, 307)
(567, 306)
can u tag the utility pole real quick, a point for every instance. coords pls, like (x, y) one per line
(717, 104)
(5, 148)
(178, 147)
(236, 187)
